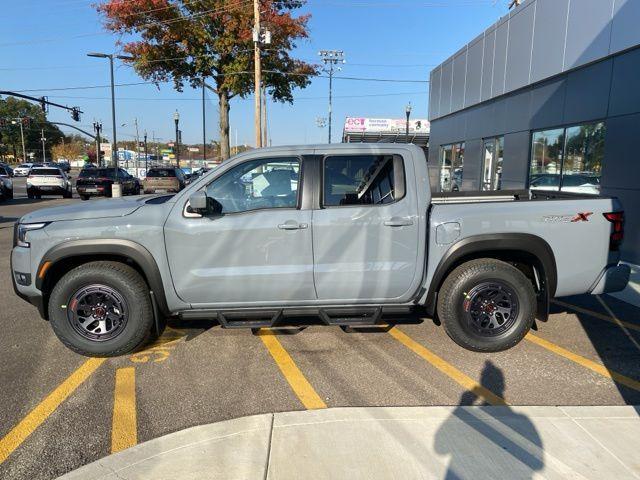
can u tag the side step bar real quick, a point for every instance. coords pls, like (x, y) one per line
(344, 316)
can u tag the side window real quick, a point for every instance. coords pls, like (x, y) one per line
(261, 183)
(451, 167)
(362, 180)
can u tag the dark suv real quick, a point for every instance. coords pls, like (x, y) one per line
(98, 182)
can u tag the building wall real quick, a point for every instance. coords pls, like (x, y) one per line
(537, 40)
(605, 90)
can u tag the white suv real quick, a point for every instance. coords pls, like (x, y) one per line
(23, 169)
(48, 181)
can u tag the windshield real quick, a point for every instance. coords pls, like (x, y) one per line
(96, 173)
(162, 173)
(45, 171)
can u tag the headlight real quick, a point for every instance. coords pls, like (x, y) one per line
(21, 232)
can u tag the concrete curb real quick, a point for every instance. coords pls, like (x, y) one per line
(386, 442)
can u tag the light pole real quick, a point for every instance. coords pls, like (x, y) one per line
(114, 148)
(176, 119)
(331, 58)
(407, 110)
(24, 152)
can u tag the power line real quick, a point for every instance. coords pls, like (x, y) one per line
(360, 79)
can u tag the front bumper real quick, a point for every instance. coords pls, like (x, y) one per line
(614, 278)
(28, 293)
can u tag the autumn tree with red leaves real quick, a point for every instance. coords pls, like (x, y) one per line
(186, 41)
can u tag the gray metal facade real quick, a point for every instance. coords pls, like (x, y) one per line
(550, 63)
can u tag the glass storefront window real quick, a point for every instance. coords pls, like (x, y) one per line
(568, 159)
(546, 159)
(492, 163)
(451, 167)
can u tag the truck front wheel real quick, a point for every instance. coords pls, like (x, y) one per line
(101, 309)
(486, 305)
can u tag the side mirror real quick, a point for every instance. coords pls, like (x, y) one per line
(200, 203)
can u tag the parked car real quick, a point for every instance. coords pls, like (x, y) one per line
(48, 181)
(164, 180)
(575, 183)
(23, 169)
(6, 189)
(7, 183)
(98, 182)
(64, 166)
(358, 238)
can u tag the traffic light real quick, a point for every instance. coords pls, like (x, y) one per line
(75, 114)
(43, 104)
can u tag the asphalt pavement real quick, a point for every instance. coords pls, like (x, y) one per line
(61, 411)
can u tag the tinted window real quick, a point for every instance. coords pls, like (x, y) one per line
(45, 171)
(161, 173)
(359, 180)
(3, 171)
(97, 172)
(262, 183)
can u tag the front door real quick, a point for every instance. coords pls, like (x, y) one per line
(257, 252)
(365, 235)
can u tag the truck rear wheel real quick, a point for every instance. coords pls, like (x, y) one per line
(101, 309)
(486, 305)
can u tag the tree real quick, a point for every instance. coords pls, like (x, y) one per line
(68, 151)
(12, 110)
(186, 41)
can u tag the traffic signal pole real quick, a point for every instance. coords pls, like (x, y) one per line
(257, 74)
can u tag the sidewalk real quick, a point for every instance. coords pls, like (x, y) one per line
(399, 443)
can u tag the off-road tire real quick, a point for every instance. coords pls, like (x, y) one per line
(454, 292)
(128, 283)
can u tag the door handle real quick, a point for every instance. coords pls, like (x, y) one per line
(398, 222)
(292, 225)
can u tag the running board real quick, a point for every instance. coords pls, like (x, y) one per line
(344, 316)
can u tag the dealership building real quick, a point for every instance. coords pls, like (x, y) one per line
(546, 98)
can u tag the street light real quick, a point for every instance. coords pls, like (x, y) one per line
(114, 150)
(407, 110)
(176, 119)
(24, 152)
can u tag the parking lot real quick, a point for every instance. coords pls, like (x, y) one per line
(61, 410)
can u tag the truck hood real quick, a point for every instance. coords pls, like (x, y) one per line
(112, 207)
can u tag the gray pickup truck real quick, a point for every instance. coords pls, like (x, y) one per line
(345, 235)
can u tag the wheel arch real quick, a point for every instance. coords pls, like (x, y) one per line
(521, 249)
(68, 255)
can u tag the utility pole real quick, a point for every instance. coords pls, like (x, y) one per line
(146, 157)
(204, 123)
(97, 126)
(257, 72)
(331, 58)
(137, 164)
(42, 139)
(407, 110)
(264, 118)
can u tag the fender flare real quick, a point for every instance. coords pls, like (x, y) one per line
(107, 246)
(475, 245)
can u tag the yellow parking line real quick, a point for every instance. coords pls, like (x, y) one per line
(445, 367)
(599, 316)
(124, 430)
(585, 362)
(46, 407)
(300, 385)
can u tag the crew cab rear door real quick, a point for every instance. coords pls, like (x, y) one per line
(366, 232)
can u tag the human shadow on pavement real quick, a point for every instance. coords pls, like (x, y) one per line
(491, 442)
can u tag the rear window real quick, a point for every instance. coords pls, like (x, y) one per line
(161, 173)
(96, 173)
(45, 171)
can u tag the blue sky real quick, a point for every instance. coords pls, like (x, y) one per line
(43, 45)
